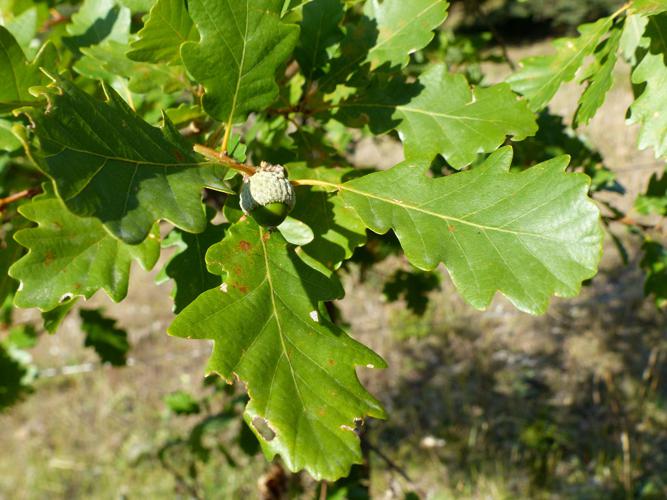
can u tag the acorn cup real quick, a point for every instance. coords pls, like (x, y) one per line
(267, 196)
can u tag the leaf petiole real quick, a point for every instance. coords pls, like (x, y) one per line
(315, 182)
(620, 11)
(225, 139)
(222, 158)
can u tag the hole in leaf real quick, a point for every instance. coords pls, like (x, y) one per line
(66, 298)
(263, 428)
(358, 425)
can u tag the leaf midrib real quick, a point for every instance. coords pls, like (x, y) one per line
(232, 111)
(357, 60)
(121, 159)
(559, 75)
(435, 114)
(406, 206)
(274, 308)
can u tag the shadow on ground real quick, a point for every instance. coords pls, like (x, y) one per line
(572, 404)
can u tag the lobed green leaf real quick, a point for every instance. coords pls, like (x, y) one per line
(458, 127)
(167, 28)
(70, 256)
(108, 163)
(269, 329)
(600, 81)
(402, 28)
(648, 110)
(540, 77)
(385, 36)
(528, 235)
(242, 45)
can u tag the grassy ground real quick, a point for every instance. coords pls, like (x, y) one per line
(492, 404)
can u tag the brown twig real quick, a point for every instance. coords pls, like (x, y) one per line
(287, 110)
(630, 222)
(26, 193)
(55, 19)
(225, 160)
(291, 70)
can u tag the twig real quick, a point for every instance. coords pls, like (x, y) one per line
(287, 110)
(26, 193)
(496, 35)
(221, 157)
(55, 19)
(315, 182)
(392, 465)
(620, 11)
(291, 70)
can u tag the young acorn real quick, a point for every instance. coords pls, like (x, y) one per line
(267, 196)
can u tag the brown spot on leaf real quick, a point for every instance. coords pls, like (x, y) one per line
(451, 228)
(244, 246)
(48, 258)
(331, 362)
(241, 288)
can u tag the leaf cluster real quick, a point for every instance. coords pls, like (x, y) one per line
(135, 119)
